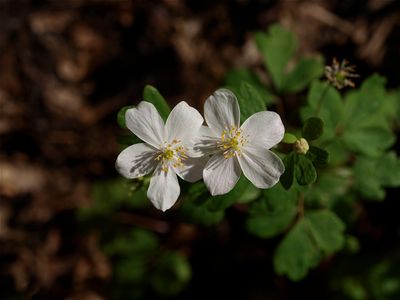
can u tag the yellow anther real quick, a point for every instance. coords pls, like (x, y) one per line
(231, 142)
(171, 154)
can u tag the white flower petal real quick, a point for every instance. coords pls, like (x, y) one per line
(136, 160)
(222, 110)
(146, 123)
(264, 129)
(261, 166)
(221, 174)
(205, 143)
(183, 122)
(164, 188)
(192, 169)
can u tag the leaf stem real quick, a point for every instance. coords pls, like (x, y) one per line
(321, 98)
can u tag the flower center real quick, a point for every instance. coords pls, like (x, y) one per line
(171, 154)
(232, 141)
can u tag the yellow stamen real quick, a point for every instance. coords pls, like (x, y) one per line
(231, 142)
(171, 154)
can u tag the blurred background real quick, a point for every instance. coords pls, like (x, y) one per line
(67, 67)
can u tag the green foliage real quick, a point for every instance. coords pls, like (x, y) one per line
(171, 274)
(367, 278)
(272, 213)
(250, 100)
(317, 235)
(278, 47)
(289, 138)
(324, 101)
(313, 128)
(300, 167)
(235, 78)
(303, 73)
(136, 257)
(373, 174)
(121, 116)
(152, 95)
(318, 156)
(361, 122)
(340, 154)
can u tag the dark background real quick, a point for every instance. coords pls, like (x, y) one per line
(66, 67)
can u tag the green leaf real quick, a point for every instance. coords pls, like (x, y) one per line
(326, 102)
(130, 270)
(306, 70)
(277, 48)
(317, 235)
(313, 128)
(250, 101)
(365, 105)
(373, 175)
(304, 170)
(200, 214)
(272, 213)
(235, 78)
(138, 242)
(270, 224)
(368, 140)
(128, 139)
(251, 193)
(221, 202)
(327, 230)
(287, 177)
(318, 156)
(171, 275)
(152, 95)
(297, 252)
(289, 138)
(121, 116)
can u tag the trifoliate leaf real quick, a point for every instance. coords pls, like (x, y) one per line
(313, 128)
(277, 48)
(306, 70)
(121, 116)
(152, 95)
(318, 156)
(304, 170)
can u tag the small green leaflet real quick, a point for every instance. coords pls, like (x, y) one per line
(317, 235)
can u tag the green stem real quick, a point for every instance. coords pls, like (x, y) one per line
(321, 99)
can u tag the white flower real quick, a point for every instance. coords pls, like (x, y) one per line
(165, 151)
(235, 148)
